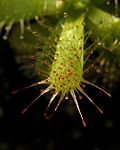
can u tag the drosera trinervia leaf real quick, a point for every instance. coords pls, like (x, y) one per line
(66, 74)
(23, 11)
(103, 26)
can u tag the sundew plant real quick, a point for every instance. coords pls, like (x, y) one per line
(63, 43)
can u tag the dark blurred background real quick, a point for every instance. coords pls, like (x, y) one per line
(64, 130)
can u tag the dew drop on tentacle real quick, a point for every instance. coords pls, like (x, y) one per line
(116, 8)
(28, 26)
(8, 28)
(40, 22)
(21, 29)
